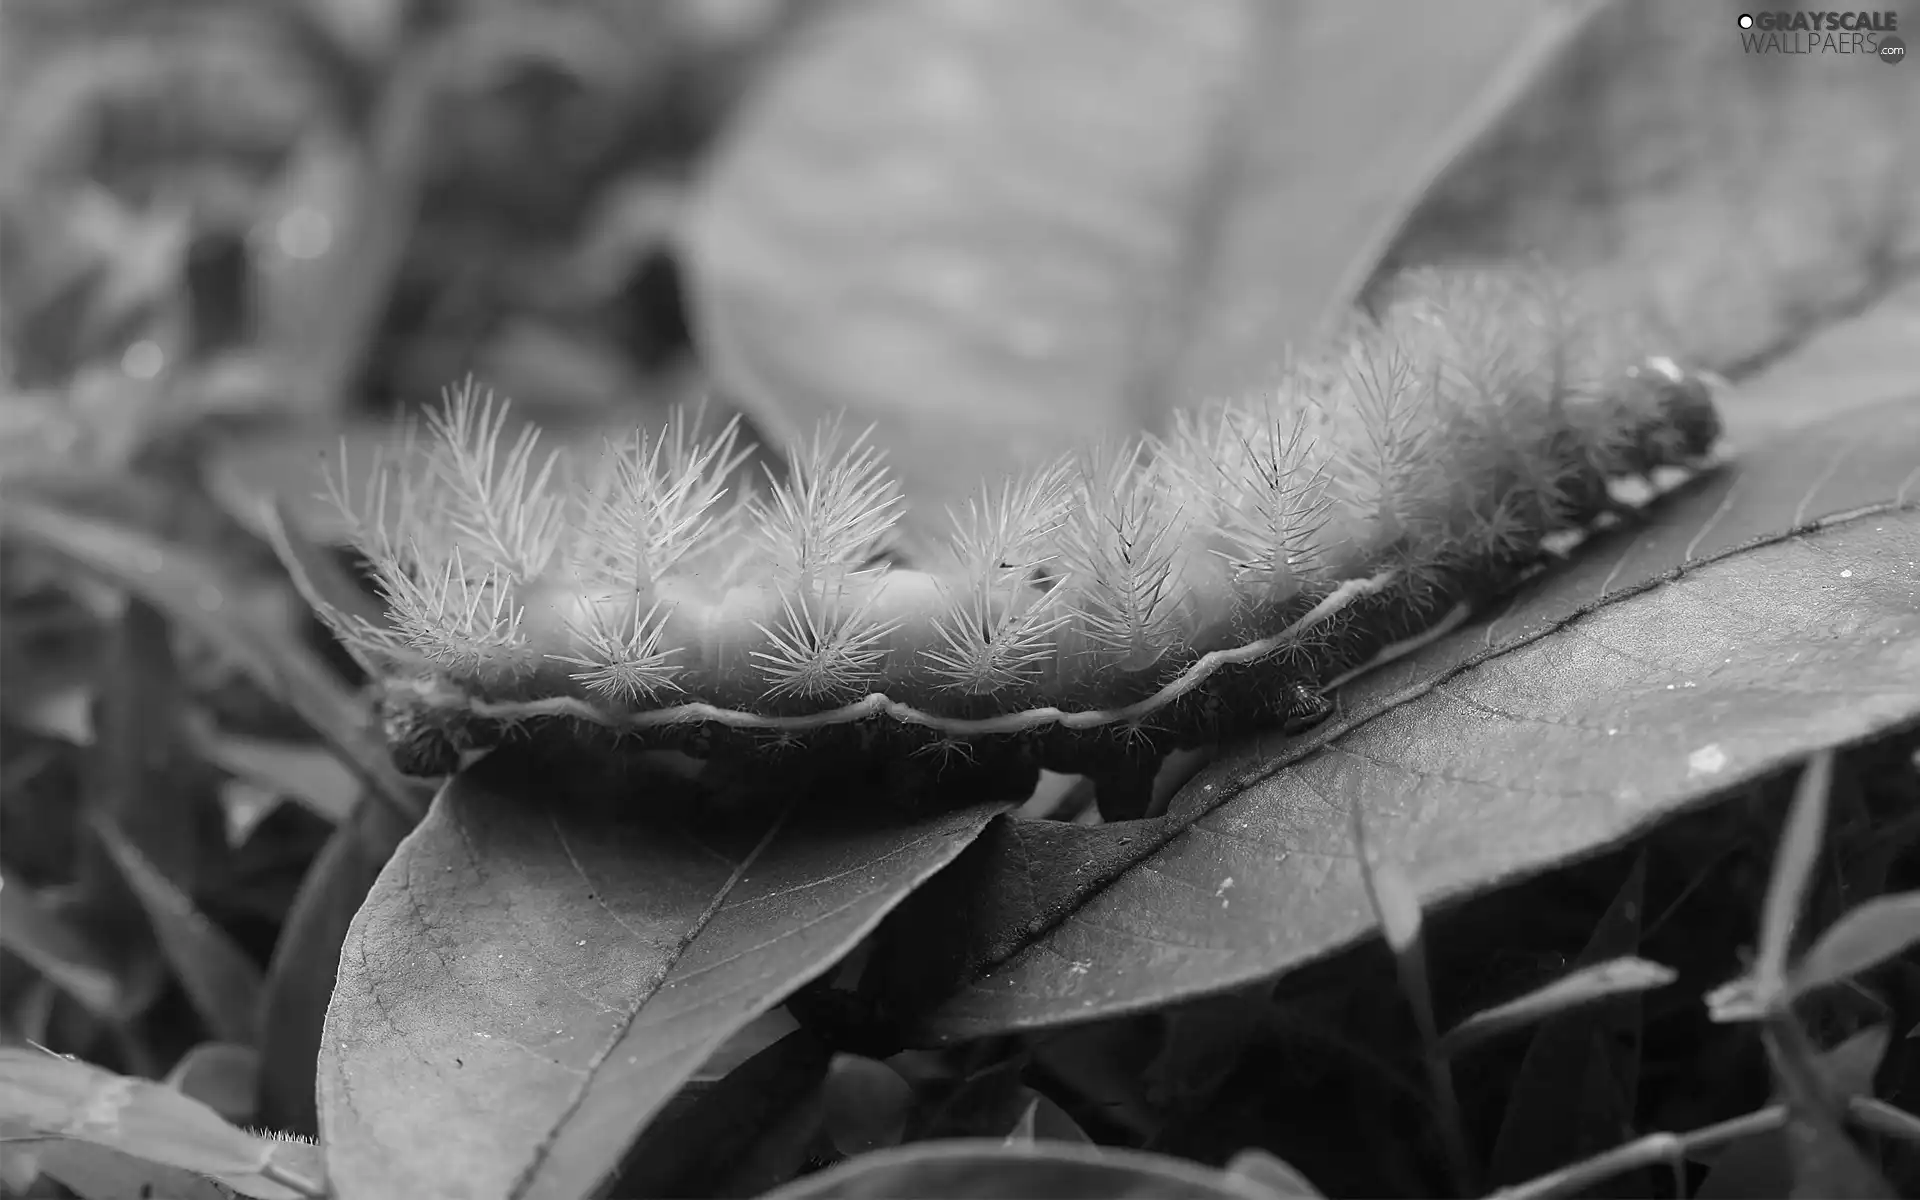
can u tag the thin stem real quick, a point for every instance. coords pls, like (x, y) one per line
(1651, 1150)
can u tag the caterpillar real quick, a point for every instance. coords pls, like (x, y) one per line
(1088, 616)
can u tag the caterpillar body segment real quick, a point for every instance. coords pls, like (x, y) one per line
(1106, 609)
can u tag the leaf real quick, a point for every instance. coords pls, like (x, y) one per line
(867, 1104)
(61, 951)
(1659, 133)
(990, 1170)
(98, 1173)
(221, 980)
(1043, 1120)
(1755, 1165)
(321, 581)
(1614, 977)
(699, 1139)
(1578, 1086)
(1793, 868)
(1862, 939)
(313, 776)
(1069, 217)
(1202, 1044)
(141, 773)
(293, 1001)
(1826, 1162)
(1272, 1175)
(545, 961)
(1665, 666)
(220, 1075)
(189, 589)
(63, 1097)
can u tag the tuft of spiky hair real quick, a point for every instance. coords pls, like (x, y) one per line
(998, 629)
(449, 528)
(827, 643)
(831, 512)
(657, 503)
(502, 508)
(621, 656)
(1256, 479)
(1386, 471)
(1120, 545)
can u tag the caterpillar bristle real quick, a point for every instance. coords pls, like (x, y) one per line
(621, 656)
(832, 511)
(505, 511)
(1263, 544)
(1119, 546)
(655, 506)
(997, 630)
(828, 642)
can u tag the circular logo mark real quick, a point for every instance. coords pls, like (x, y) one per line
(1892, 49)
(1746, 20)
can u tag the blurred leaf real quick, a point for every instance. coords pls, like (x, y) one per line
(1043, 1120)
(220, 1075)
(991, 1170)
(560, 367)
(96, 1172)
(348, 205)
(867, 1104)
(1068, 218)
(190, 590)
(1673, 636)
(1578, 1087)
(1755, 1166)
(46, 941)
(767, 1029)
(335, 238)
(1202, 1043)
(1793, 866)
(548, 958)
(1585, 985)
(319, 578)
(300, 977)
(986, 1102)
(222, 982)
(1862, 939)
(1268, 1173)
(1749, 1169)
(63, 1097)
(1826, 1162)
(308, 774)
(701, 1136)
(141, 773)
(1660, 132)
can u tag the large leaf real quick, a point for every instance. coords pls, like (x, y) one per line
(1663, 667)
(1661, 135)
(543, 963)
(1001, 230)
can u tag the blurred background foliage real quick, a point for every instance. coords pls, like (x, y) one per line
(234, 231)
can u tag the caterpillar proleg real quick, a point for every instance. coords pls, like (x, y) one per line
(1104, 609)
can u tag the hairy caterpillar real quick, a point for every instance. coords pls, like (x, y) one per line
(1088, 617)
